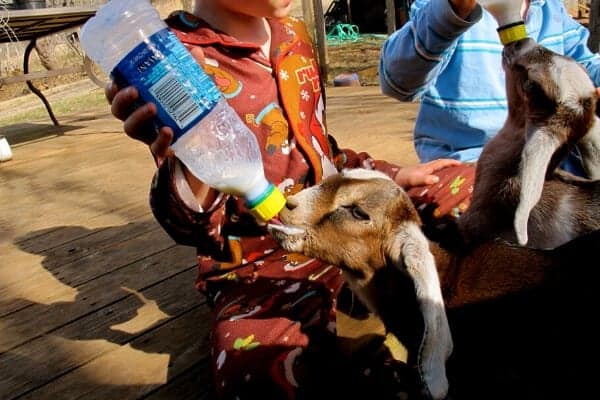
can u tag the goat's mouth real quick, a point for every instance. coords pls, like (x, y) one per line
(290, 237)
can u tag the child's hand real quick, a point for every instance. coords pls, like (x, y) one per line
(138, 123)
(463, 8)
(422, 174)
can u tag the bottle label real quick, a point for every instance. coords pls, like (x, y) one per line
(165, 73)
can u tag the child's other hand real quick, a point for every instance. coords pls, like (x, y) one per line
(422, 174)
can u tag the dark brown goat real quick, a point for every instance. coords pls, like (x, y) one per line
(519, 194)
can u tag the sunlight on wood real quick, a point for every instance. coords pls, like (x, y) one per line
(75, 351)
(45, 288)
(355, 334)
(146, 316)
(139, 368)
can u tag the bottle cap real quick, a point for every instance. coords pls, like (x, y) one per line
(512, 32)
(268, 205)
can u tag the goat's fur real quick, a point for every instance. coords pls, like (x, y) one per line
(361, 221)
(517, 193)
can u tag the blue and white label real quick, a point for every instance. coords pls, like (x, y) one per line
(165, 73)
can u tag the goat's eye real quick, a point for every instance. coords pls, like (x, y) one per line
(359, 213)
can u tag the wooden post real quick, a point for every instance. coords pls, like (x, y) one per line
(311, 10)
(320, 35)
(390, 17)
(594, 26)
(308, 14)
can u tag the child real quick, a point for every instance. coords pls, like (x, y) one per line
(273, 329)
(455, 55)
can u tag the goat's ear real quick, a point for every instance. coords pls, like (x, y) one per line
(589, 146)
(409, 251)
(541, 145)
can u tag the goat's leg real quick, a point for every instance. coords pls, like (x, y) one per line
(589, 147)
(535, 157)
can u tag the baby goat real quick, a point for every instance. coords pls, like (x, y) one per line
(361, 221)
(517, 193)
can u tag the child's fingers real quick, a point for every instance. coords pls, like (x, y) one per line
(110, 91)
(198, 55)
(160, 147)
(138, 125)
(123, 102)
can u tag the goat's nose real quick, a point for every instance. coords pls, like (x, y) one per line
(291, 203)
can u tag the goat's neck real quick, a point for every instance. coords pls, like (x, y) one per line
(483, 273)
(501, 155)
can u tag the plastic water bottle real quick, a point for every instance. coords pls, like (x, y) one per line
(507, 13)
(129, 41)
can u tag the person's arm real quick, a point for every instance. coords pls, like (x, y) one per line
(407, 177)
(413, 56)
(184, 206)
(576, 39)
(138, 124)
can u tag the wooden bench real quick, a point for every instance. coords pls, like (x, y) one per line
(32, 24)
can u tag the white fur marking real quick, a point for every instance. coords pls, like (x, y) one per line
(364, 174)
(573, 82)
(534, 161)
(437, 340)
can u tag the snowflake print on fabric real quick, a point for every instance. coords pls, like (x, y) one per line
(284, 75)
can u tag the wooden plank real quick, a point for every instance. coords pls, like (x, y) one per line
(38, 319)
(320, 36)
(50, 356)
(383, 120)
(193, 384)
(29, 24)
(174, 346)
(77, 263)
(390, 16)
(102, 242)
(594, 26)
(52, 238)
(70, 185)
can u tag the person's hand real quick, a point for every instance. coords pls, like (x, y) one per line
(139, 122)
(422, 174)
(463, 8)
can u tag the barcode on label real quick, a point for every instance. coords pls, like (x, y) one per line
(179, 104)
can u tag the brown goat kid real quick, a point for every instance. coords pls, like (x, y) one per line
(519, 194)
(361, 221)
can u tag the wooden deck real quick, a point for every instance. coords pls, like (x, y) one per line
(96, 301)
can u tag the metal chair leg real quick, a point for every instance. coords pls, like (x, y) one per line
(30, 85)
